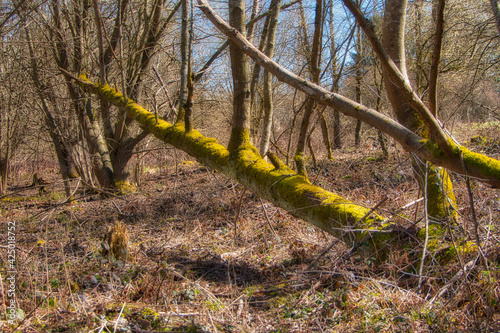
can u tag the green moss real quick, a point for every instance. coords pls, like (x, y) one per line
(442, 249)
(478, 139)
(435, 231)
(148, 313)
(278, 164)
(462, 249)
(477, 164)
(239, 137)
(441, 201)
(242, 162)
(73, 175)
(124, 187)
(432, 147)
(18, 199)
(487, 166)
(181, 114)
(300, 162)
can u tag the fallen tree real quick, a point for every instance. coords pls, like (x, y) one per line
(282, 186)
(272, 180)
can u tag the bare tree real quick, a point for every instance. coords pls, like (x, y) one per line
(13, 100)
(111, 145)
(62, 147)
(274, 8)
(313, 54)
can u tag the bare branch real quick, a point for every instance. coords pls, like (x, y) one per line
(484, 168)
(400, 79)
(405, 137)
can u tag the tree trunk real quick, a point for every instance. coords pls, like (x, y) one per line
(359, 79)
(436, 56)
(240, 134)
(313, 57)
(440, 200)
(273, 181)
(4, 169)
(326, 136)
(268, 104)
(251, 27)
(256, 111)
(62, 149)
(337, 141)
(184, 54)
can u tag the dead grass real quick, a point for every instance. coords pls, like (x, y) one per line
(196, 269)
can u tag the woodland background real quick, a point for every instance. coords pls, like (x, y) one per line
(205, 253)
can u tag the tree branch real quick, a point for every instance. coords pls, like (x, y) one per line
(480, 166)
(399, 79)
(280, 185)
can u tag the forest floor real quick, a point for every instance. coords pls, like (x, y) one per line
(207, 256)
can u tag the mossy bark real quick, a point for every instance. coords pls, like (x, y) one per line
(440, 198)
(273, 181)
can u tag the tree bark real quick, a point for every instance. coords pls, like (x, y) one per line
(313, 55)
(267, 101)
(256, 113)
(359, 79)
(337, 141)
(184, 54)
(240, 130)
(326, 136)
(273, 181)
(436, 57)
(495, 7)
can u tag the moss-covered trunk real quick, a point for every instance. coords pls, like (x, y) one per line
(440, 198)
(273, 181)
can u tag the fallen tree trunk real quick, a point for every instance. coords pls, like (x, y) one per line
(274, 181)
